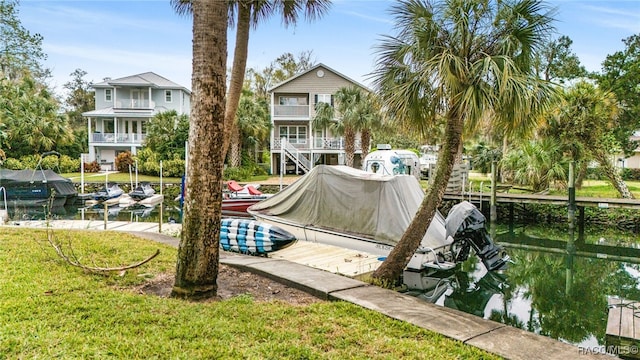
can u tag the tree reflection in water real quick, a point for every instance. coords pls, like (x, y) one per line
(532, 294)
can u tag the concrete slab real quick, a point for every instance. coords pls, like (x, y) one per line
(448, 322)
(516, 343)
(316, 282)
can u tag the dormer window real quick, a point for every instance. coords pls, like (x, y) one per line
(108, 95)
(168, 94)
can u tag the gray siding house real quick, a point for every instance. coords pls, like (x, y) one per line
(295, 145)
(123, 108)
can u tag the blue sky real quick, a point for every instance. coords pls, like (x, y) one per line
(121, 38)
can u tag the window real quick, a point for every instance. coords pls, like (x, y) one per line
(107, 95)
(167, 95)
(292, 100)
(294, 134)
(325, 98)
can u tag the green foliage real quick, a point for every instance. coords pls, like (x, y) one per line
(167, 133)
(536, 163)
(173, 168)
(556, 61)
(68, 164)
(30, 161)
(631, 174)
(13, 164)
(621, 75)
(80, 98)
(31, 116)
(124, 160)
(21, 52)
(482, 155)
(238, 173)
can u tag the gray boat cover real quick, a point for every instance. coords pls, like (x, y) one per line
(12, 178)
(349, 200)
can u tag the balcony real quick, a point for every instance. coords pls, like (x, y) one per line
(319, 144)
(291, 111)
(134, 104)
(111, 138)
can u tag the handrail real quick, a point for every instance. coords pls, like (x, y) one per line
(295, 155)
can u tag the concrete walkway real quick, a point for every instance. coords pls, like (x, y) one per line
(494, 337)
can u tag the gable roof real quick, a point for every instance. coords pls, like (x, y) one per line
(150, 79)
(312, 69)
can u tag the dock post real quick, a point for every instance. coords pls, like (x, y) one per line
(571, 248)
(106, 215)
(493, 215)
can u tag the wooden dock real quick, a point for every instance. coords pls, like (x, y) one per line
(623, 328)
(604, 203)
(334, 259)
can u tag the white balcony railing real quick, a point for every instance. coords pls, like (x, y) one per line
(291, 110)
(111, 138)
(318, 144)
(135, 104)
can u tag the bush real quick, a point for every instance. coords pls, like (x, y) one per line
(13, 164)
(30, 161)
(631, 174)
(237, 173)
(123, 161)
(68, 164)
(92, 167)
(173, 168)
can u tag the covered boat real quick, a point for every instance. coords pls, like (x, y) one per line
(110, 191)
(142, 191)
(363, 211)
(28, 188)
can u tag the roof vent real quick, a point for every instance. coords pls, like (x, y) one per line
(384, 146)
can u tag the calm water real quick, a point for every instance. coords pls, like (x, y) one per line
(548, 292)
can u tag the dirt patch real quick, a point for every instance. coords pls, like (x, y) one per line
(234, 282)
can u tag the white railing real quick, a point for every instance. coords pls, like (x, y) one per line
(318, 144)
(298, 158)
(291, 110)
(111, 138)
(135, 104)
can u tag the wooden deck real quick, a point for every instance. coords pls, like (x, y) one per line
(623, 327)
(604, 203)
(334, 259)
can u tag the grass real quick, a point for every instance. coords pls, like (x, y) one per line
(120, 178)
(51, 310)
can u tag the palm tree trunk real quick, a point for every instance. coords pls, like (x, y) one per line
(612, 174)
(198, 253)
(234, 156)
(365, 142)
(392, 267)
(238, 70)
(349, 145)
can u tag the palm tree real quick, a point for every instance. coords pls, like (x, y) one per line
(251, 13)
(463, 60)
(252, 125)
(198, 253)
(584, 121)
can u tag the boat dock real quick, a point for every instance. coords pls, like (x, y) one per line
(623, 328)
(501, 197)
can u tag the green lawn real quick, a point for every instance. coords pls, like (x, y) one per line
(51, 310)
(120, 178)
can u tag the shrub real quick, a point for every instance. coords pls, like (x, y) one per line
(173, 168)
(13, 164)
(237, 173)
(123, 161)
(149, 168)
(68, 164)
(92, 167)
(50, 162)
(631, 174)
(29, 161)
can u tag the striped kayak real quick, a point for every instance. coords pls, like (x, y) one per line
(248, 236)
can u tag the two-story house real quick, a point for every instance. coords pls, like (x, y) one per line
(123, 108)
(296, 146)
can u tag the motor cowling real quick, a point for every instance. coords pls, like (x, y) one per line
(466, 225)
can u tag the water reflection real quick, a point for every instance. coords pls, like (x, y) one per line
(561, 294)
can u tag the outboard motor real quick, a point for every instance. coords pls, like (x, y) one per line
(466, 224)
